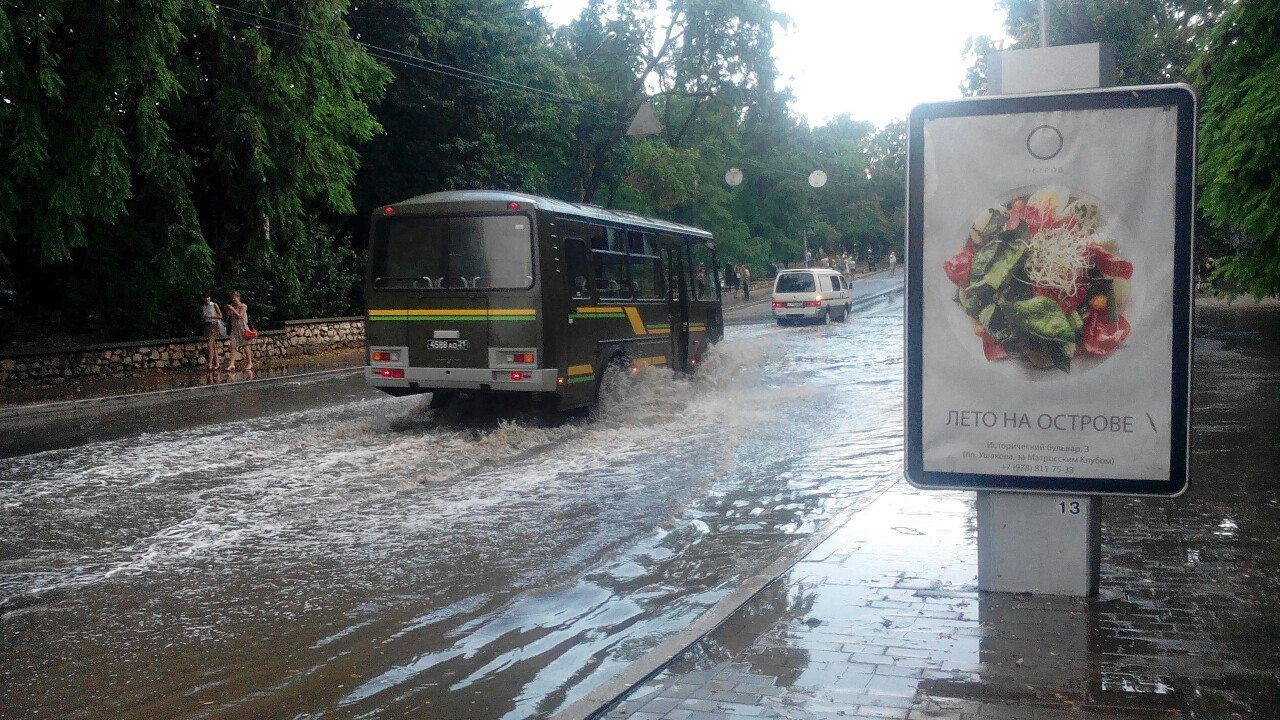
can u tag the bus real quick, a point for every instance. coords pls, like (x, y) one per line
(484, 292)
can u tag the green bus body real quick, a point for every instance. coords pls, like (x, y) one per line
(501, 292)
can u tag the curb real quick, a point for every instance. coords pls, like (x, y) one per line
(602, 699)
(865, 300)
(19, 413)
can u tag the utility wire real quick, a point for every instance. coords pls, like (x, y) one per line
(360, 14)
(390, 55)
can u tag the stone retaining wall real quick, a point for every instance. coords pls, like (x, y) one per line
(299, 337)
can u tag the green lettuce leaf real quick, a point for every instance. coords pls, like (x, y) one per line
(1043, 317)
(983, 257)
(998, 271)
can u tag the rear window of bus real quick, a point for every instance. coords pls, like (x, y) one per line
(435, 253)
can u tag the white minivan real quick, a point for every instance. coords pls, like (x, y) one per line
(811, 294)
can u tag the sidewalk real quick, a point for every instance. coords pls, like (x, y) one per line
(883, 619)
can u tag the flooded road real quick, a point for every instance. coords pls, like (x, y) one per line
(317, 550)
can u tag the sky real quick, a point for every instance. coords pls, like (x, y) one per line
(872, 59)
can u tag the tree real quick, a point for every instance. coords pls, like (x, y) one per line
(156, 145)
(1240, 139)
(480, 98)
(83, 124)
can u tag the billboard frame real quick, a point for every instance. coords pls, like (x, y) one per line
(1179, 96)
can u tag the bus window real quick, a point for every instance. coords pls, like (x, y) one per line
(453, 252)
(576, 270)
(646, 266)
(706, 276)
(610, 257)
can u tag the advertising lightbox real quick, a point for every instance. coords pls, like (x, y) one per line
(1049, 291)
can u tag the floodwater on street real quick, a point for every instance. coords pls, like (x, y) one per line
(321, 550)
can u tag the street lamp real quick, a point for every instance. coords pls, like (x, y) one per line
(733, 178)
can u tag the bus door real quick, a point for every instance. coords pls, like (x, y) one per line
(705, 312)
(580, 336)
(675, 257)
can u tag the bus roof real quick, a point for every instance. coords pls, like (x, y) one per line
(588, 212)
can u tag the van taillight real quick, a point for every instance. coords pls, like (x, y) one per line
(779, 304)
(519, 375)
(526, 358)
(813, 303)
(395, 373)
(385, 356)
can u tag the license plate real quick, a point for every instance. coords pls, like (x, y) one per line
(795, 304)
(447, 344)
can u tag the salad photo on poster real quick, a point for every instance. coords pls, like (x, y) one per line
(1042, 281)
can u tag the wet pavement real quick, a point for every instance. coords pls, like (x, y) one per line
(883, 620)
(309, 548)
(305, 548)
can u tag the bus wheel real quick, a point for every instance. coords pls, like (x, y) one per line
(615, 375)
(441, 398)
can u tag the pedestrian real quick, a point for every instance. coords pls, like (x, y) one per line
(700, 281)
(212, 316)
(730, 278)
(745, 275)
(893, 262)
(239, 313)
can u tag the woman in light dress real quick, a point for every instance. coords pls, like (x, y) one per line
(239, 314)
(212, 316)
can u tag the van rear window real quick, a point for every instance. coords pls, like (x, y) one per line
(795, 282)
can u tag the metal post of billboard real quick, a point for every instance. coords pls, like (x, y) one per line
(1033, 542)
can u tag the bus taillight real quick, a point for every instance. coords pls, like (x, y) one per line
(520, 375)
(395, 373)
(524, 358)
(381, 356)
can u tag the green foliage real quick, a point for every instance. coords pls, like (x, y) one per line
(164, 147)
(322, 277)
(1240, 140)
(156, 144)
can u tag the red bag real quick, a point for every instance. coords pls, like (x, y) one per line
(250, 334)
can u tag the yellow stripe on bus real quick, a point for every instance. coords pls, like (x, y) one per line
(580, 370)
(599, 309)
(457, 311)
(637, 325)
(652, 360)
